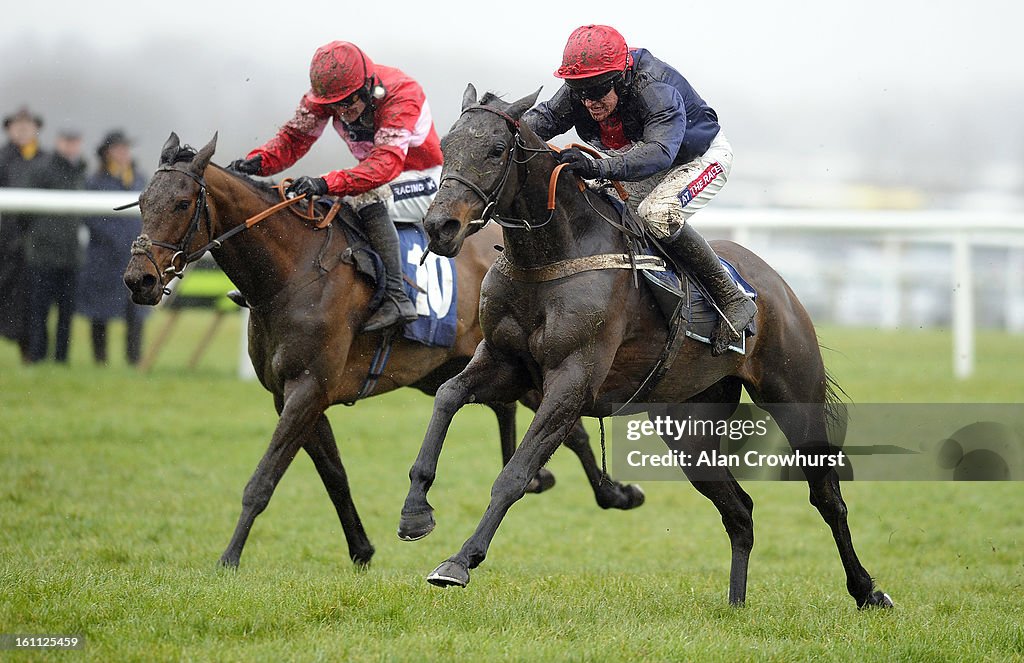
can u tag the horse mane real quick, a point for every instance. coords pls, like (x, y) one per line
(186, 153)
(488, 97)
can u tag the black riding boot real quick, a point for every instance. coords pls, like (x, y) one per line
(737, 309)
(396, 307)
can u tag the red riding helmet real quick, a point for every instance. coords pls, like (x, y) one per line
(593, 50)
(338, 69)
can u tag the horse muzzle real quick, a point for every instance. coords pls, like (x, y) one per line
(145, 285)
(446, 235)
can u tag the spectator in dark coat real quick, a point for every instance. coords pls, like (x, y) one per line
(52, 256)
(102, 294)
(22, 165)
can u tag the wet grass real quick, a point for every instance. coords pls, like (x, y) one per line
(120, 491)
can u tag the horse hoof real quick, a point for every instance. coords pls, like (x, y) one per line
(877, 600)
(415, 526)
(543, 481)
(622, 497)
(635, 497)
(230, 563)
(449, 574)
(362, 558)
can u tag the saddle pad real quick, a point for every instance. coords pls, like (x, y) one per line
(432, 286)
(701, 317)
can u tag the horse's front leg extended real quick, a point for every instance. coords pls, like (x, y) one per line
(486, 378)
(564, 392)
(302, 406)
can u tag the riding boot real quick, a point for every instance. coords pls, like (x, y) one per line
(736, 308)
(396, 307)
(238, 298)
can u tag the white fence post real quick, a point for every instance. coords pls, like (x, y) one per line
(245, 367)
(963, 308)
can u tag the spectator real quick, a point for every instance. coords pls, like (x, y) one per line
(52, 256)
(102, 295)
(22, 165)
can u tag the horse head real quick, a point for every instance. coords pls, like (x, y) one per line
(479, 177)
(175, 220)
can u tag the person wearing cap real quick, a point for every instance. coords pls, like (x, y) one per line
(23, 164)
(383, 116)
(101, 292)
(660, 139)
(52, 255)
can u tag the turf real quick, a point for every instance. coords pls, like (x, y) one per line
(121, 489)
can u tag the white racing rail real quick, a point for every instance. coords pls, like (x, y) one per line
(961, 230)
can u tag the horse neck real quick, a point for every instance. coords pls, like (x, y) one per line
(575, 229)
(261, 260)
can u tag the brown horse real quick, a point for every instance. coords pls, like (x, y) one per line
(586, 338)
(306, 302)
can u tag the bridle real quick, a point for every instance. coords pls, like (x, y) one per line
(143, 245)
(182, 258)
(491, 199)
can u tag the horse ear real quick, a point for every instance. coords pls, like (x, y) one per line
(469, 97)
(170, 149)
(202, 158)
(517, 108)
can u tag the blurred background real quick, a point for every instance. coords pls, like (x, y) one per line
(907, 105)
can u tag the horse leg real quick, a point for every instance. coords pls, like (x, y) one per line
(805, 425)
(718, 484)
(299, 413)
(323, 450)
(557, 414)
(485, 379)
(506, 414)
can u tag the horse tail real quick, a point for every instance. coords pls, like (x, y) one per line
(836, 412)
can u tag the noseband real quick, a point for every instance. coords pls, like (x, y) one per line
(491, 199)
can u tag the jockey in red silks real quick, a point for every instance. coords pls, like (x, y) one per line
(660, 139)
(383, 116)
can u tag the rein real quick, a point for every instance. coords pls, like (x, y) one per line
(143, 245)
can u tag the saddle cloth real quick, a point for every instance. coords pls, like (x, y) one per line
(432, 286)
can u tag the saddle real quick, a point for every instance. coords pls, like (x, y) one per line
(680, 297)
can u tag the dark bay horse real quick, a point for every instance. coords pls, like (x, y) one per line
(587, 339)
(306, 301)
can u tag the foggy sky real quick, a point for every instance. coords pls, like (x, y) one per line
(870, 87)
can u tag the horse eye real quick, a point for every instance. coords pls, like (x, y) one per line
(498, 149)
(182, 205)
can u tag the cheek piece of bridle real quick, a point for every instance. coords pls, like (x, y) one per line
(490, 200)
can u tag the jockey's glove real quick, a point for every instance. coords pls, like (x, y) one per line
(581, 163)
(249, 166)
(312, 186)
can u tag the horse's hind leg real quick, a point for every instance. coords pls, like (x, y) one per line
(506, 414)
(485, 379)
(323, 450)
(805, 424)
(718, 484)
(299, 410)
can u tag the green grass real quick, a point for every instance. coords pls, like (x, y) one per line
(119, 491)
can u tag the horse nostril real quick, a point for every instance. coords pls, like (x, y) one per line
(450, 228)
(148, 281)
